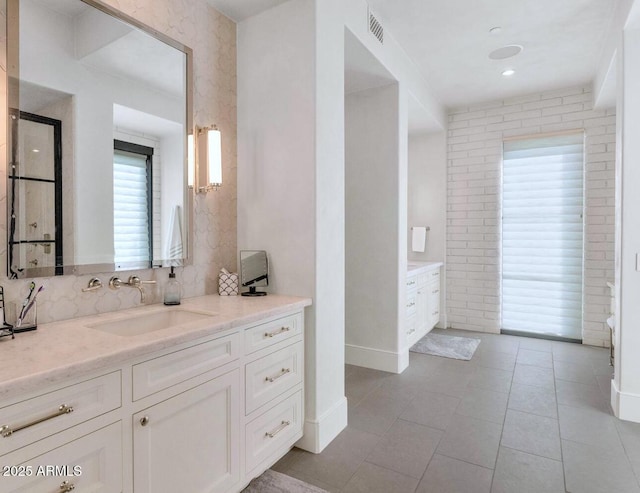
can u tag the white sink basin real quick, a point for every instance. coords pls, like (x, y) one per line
(150, 322)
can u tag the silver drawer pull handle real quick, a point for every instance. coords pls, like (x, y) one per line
(276, 332)
(282, 373)
(410, 283)
(434, 313)
(411, 304)
(66, 486)
(273, 433)
(144, 421)
(435, 291)
(433, 274)
(7, 431)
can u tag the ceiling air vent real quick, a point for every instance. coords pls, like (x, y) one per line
(376, 28)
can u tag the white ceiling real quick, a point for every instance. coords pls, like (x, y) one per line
(449, 41)
(239, 10)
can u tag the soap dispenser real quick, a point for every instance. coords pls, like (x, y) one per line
(172, 291)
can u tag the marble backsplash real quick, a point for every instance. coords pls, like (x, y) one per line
(212, 37)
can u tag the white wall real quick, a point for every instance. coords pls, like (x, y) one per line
(625, 389)
(372, 210)
(276, 158)
(291, 137)
(427, 199)
(473, 217)
(428, 193)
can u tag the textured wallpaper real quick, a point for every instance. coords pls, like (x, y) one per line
(212, 37)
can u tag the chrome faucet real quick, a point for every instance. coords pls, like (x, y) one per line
(134, 282)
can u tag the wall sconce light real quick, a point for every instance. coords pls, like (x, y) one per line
(204, 156)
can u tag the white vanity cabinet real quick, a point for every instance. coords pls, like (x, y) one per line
(92, 462)
(213, 415)
(423, 300)
(204, 416)
(190, 442)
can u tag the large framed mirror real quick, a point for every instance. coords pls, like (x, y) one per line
(100, 107)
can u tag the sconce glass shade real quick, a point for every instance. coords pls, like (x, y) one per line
(191, 161)
(207, 159)
(214, 156)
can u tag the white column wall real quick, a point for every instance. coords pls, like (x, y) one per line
(625, 389)
(372, 211)
(291, 172)
(276, 164)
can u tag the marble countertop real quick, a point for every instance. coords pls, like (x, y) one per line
(415, 266)
(68, 348)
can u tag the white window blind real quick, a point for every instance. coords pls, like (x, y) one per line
(542, 235)
(130, 208)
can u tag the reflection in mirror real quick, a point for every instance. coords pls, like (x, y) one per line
(100, 113)
(35, 231)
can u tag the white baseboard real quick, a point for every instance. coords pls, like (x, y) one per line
(376, 359)
(320, 432)
(625, 405)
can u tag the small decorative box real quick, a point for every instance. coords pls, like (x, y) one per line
(228, 284)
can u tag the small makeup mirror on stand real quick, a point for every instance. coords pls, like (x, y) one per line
(254, 271)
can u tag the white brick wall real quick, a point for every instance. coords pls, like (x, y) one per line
(474, 148)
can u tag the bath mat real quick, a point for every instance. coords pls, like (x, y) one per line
(275, 482)
(446, 346)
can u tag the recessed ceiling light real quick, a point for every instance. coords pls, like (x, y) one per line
(505, 52)
(509, 72)
(35, 150)
(495, 30)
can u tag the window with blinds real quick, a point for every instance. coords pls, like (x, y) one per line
(542, 235)
(131, 205)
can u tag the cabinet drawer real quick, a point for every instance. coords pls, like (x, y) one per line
(434, 307)
(412, 326)
(277, 429)
(412, 302)
(265, 335)
(412, 282)
(173, 368)
(272, 375)
(433, 276)
(90, 463)
(34, 419)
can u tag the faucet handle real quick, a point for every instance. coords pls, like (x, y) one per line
(94, 285)
(136, 281)
(115, 282)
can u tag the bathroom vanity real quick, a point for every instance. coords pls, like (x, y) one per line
(423, 299)
(205, 403)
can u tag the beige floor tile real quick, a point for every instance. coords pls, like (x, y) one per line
(471, 440)
(591, 427)
(534, 400)
(591, 469)
(406, 448)
(492, 379)
(542, 359)
(431, 409)
(534, 375)
(581, 395)
(447, 475)
(483, 404)
(519, 472)
(533, 434)
(374, 479)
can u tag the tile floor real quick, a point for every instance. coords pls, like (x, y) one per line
(523, 416)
